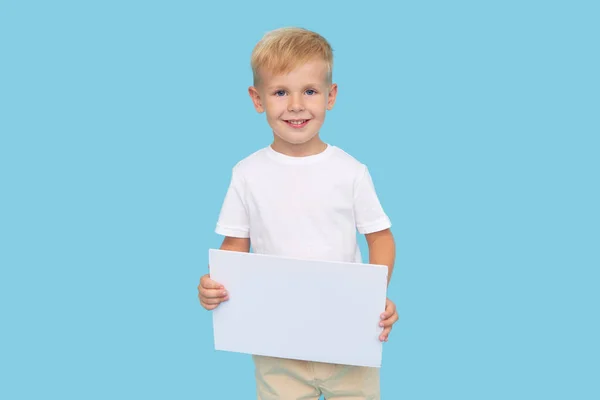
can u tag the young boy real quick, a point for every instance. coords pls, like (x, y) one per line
(301, 197)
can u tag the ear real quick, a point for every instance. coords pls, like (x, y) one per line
(254, 95)
(332, 96)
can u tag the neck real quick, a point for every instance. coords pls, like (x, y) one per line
(310, 148)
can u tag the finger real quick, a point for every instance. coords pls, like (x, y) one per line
(210, 301)
(212, 293)
(389, 311)
(385, 334)
(209, 307)
(213, 301)
(208, 283)
(389, 321)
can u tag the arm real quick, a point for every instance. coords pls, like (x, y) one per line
(241, 245)
(382, 249)
(211, 293)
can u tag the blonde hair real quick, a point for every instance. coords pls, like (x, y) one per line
(284, 49)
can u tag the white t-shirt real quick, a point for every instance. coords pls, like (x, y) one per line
(302, 207)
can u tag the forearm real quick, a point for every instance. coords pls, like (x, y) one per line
(382, 250)
(236, 244)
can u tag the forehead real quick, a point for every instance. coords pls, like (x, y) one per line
(312, 72)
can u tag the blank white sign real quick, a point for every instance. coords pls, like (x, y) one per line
(298, 309)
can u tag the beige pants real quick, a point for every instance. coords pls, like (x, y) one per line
(283, 379)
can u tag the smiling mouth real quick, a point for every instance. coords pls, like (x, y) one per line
(297, 123)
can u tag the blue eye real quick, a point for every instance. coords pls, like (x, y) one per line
(310, 92)
(280, 93)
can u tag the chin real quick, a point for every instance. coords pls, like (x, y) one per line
(298, 137)
(296, 140)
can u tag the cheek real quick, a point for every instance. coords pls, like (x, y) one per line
(275, 108)
(319, 103)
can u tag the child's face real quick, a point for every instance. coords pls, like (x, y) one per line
(295, 103)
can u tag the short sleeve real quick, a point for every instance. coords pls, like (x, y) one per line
(233, 218)
(368, 212)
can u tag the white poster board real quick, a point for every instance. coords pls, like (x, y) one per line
(299, 309)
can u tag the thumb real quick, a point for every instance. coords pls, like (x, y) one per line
(208, 283)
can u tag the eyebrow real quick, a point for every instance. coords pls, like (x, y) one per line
(273, 87)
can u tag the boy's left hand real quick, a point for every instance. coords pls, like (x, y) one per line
(388, 319)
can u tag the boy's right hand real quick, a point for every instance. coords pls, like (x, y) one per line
(211, 293)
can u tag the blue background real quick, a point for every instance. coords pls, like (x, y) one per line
(120, 122)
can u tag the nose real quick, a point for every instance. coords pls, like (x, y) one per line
(295, 103)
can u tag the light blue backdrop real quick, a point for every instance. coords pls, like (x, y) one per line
(120, 122)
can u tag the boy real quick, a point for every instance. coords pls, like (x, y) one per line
(300, 197)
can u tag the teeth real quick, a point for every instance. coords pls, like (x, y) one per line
(297, 122)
